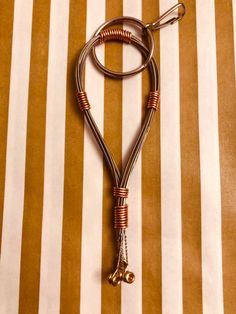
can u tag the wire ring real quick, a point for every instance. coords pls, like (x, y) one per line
(146, 31)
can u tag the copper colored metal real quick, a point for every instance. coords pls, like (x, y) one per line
(153, 101)
(115, 34)
(121, 216)
(83, 101)
(120, 192)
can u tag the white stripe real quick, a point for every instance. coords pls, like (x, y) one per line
(131, 122)
(234, 22)
(170, 168)
(209, 160)
(15, 160)
(91, 251)
(50, 272)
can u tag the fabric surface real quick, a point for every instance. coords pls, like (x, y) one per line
(57, 241)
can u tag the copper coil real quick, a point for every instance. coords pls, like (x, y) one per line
(153, 101)
(83, 101)
(120, 192)
(121, 216)
(115, 34)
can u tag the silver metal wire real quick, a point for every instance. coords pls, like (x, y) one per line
(147, 120)
(120, 180)
(157, 24)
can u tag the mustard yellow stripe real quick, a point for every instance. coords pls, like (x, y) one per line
(190, 164)
(111, 297)
(73, 182)
(34, 171)
(6, 27)
(227, 127)
(151, 192)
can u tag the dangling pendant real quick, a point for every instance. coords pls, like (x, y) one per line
(121, 274)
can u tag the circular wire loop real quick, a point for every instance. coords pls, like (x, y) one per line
(145, 31)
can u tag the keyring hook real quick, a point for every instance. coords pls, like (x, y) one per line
(157, 24)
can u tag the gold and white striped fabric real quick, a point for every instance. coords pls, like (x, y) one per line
(57, 242)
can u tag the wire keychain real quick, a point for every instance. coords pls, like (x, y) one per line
(120, 180)
(146, 31)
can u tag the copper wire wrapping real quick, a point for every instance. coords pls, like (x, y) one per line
(115, 34)
(153, 101)
(121, 216)
(83, 101)
(120, 192)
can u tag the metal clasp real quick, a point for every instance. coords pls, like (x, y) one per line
(157, 24)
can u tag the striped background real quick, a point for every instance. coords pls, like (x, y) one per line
(55, 201)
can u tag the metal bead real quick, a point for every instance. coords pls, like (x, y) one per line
(115, 278)
(128, 277)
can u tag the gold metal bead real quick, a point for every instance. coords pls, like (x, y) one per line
(113, 281)
(115, 278)
(119, 274)
(110, 278)
(128, 277)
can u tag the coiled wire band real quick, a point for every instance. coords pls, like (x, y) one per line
(153, 101)
(115, 34)
(120, 192)
(121, 217)
(83, 101)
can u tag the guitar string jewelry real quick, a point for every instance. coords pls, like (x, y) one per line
(120, 180)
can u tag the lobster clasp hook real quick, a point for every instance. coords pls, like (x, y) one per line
(157, 24)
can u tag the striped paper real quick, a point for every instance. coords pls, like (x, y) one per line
(56, 237)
